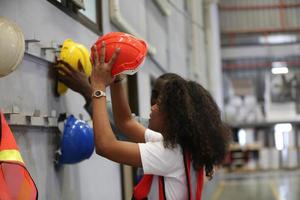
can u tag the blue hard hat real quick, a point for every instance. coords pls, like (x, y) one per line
(77, 142)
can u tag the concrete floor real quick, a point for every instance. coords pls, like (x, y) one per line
(274, 185)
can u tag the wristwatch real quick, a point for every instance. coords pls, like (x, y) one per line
(98, 94)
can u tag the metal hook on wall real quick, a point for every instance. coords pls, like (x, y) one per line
(28, 41)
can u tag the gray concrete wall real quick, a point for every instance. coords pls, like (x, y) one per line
(31, 86)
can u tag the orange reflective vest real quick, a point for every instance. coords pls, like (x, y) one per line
(142, 189)
(15, 181)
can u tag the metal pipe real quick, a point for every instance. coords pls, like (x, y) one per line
(255, 7)
(266, 31)
(265, 64)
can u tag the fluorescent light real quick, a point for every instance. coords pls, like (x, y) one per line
(242, 137)
(280, 70)
(280, 133)
(283, 127)
(277, 39)
(279, 140)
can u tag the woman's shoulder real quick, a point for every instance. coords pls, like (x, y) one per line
(153, 136)
(160, 160)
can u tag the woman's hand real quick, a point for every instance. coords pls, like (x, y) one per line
(75, 80)
(101, 73)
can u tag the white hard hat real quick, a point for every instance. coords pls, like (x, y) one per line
(12, 46)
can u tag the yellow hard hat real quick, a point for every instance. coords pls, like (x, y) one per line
(71, 53)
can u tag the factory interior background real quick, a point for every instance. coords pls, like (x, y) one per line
(245, 52)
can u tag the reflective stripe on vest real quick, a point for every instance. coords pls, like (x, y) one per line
(15, 181)
(11, 155)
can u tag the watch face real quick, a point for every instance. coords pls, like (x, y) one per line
(98, 93)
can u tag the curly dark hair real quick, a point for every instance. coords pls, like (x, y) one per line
(159, 83)
(194, 122)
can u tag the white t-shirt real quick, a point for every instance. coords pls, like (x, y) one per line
(161, 161)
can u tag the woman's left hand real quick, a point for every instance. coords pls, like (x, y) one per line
(101, 73)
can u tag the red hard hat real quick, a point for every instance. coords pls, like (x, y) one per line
(132, 54)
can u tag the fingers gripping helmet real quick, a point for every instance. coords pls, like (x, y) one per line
(132, 54)
(12, 46)
(71, 52)
(77, 141)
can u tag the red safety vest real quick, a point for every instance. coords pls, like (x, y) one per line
(142, 189)
(15, 181)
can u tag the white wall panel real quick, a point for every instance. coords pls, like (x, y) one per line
(157, 33)
(177, 42)
(134, 12)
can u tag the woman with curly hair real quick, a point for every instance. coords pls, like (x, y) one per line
(185, 137)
